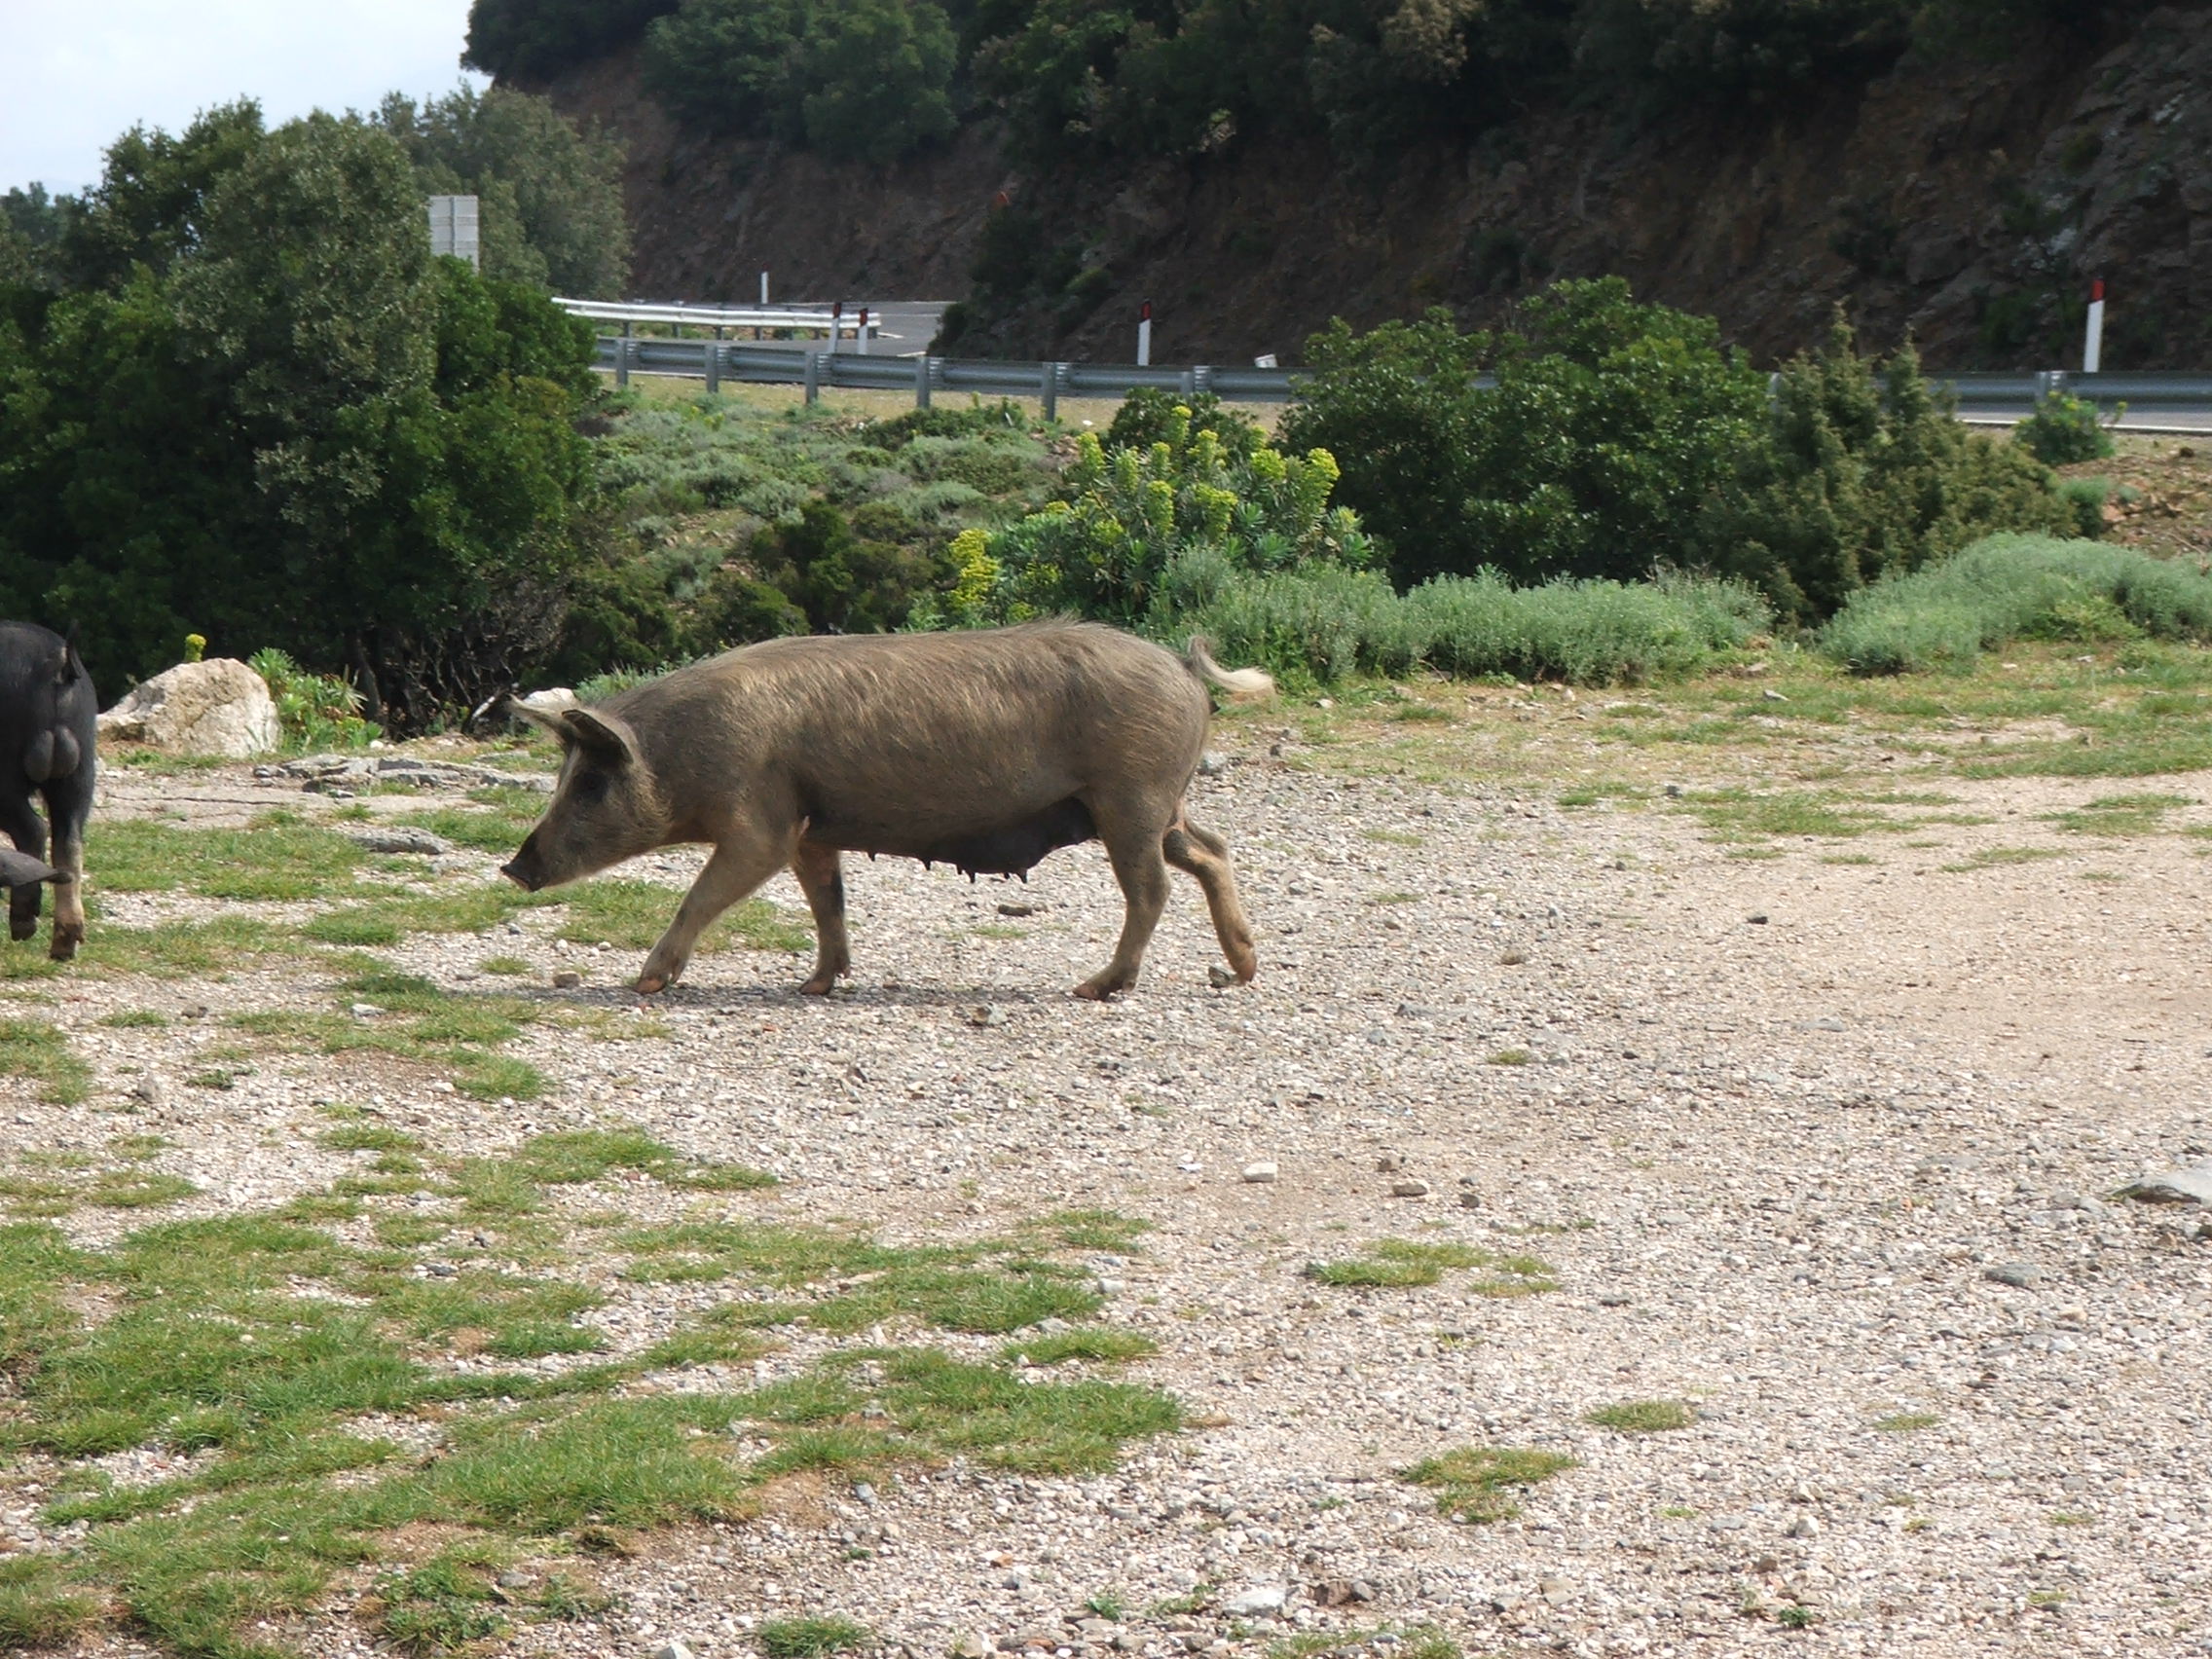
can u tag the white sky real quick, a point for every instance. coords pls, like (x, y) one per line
(75, 74)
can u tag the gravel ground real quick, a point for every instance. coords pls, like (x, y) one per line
(1809, 1145)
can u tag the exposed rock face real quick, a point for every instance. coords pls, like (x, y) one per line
(218, 707)
(1969, 202)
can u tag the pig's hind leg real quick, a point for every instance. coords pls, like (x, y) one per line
(736, 868)
(822, 880)
(1132, 837)
(1206, 856)
(21, 822)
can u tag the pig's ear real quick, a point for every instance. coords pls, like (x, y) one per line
(603, 737)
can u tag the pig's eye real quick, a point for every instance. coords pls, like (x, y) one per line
(592, 786)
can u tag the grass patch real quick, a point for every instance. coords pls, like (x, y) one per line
(41, 1053)
(1476, 1484)
(632, 915)
(1999, 858)
(1905, 1423)
(507, 966)
(1097, 1343)
(135, 1019)
(1096, 1230)
(1643, 1417)
(812, 1636)
(570, 1157)
(1511, 1057)
(2120, 815)
(277, 860)
(1396, 1264)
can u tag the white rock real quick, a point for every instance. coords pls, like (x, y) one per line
(219, 707)
(1259, 1601)
(1260, 1173)
(672, 1651)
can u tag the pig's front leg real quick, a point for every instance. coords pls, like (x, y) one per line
(735, 870)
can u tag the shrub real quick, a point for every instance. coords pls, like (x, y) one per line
(1149, 414)
(2064, 429)
(538, 39)
(2016, 586)
(1104, 549)
(1325, 624)
(318, 710)
(1609, 423)
(841, 583)
(1860, 471)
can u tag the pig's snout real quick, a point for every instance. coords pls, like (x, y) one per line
(524, 869)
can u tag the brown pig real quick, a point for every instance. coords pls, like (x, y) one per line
(985, 751)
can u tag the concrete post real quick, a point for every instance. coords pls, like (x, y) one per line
(813, 375)
(622, 358)
(925, 371)
(714, 356)
(1049, 390)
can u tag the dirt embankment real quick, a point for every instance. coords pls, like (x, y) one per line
(1971, 203)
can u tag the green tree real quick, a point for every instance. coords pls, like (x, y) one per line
(303, 433)
(729, 65)
(535, 40)
(1860, 470)
(150, 206)
(877, 77)
(551, 195)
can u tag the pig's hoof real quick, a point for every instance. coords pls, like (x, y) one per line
(20, 928)
(64, 945)
(821, 986)
(1100, 988)
(651, 984)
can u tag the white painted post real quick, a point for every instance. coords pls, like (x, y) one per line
(763, 290)
(2093, 345)
(836, 324)
(1144, 336)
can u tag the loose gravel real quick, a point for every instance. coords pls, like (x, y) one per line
(1822, 1150)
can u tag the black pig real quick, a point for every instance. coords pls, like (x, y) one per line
(48, 729)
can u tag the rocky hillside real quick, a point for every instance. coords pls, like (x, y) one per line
(1970, 202)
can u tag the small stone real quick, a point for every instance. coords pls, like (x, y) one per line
(1805, 1527)
(511, 1579)
(2192, 1185)
(1758, 918)
(1513, 959)
(1557, 1591)
(1389, 1164)
(989, 1015)
(1803, 1493)
(969, 1646)
(1219, 978)
(1261, 1600)
(1612, 1299)
(1211, 762)
(150, 1091)
(672, 1651)
(566, 979)
(1261, 1173)
(1017, 909)
(366, 1011)
(1773, 696)
(1767, 1564)
(397, 838)
(2020, 1276)
(1469, 1198)
(1409, 1189)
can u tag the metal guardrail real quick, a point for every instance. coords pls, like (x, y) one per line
(816, 367)
(796, 319)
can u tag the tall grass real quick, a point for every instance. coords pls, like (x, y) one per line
(1329, 622)
(2010, 588)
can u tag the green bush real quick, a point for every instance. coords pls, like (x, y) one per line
(318, 710)
(2064, 429)
(2011, 587)
(1862, 471)
(1149, 414)
(1103, 549)
(1611, 424)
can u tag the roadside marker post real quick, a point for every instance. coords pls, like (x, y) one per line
(860, 334)
(836, 324)
(1144, 336)
(2093, 344)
